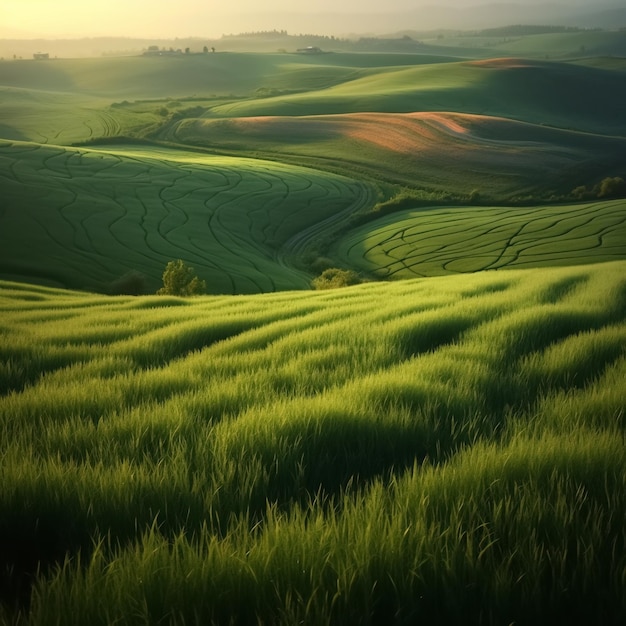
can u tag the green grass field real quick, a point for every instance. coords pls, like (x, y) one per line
(444, 451)
(440, 444)
(452, 240)
(94, 215)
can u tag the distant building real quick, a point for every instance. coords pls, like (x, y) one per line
(154, 51)
(41, 56)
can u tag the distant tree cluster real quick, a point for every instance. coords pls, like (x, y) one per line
(610, 187)
(259, 33)
(273, 34)
(519, 30)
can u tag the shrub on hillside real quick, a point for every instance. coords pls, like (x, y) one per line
(179, 279)
(474, 196)
(333, 278)
(612, 187)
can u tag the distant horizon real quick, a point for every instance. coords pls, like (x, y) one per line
(159, 19)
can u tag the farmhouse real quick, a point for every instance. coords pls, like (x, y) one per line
(154, 51)
(310, 50)
(41, 56)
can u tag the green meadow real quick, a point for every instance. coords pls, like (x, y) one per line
(442, 443)
(423, 450)
(440, 241)
(133, 209)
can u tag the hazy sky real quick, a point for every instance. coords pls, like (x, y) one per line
(203, 18)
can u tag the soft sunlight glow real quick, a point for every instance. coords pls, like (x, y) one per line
(204, 18)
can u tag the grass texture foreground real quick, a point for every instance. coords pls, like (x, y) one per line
(418, 452)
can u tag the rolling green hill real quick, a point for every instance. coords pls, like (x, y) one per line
(555, 94)
(535, 131)
(553, 45)
(93, 215)
(235, 74)
(451, 240)
(575, 44)
(443, 152)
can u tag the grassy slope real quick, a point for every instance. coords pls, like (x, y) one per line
(91, 216)
(498, 157)
(237, 74)
(75, 94)
(446, 152)
(577, 44)
(433, 242)
(532, 91)
(263, 457)
(542, 46)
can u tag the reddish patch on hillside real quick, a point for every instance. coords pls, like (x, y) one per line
(405, 133)
(430, 139)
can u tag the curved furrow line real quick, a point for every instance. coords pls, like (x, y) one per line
(44, 140)
(79, 232)
(403, 266)
(505, 245)
(126, 216)
(89, 128)
(220, 244)
(261, 226)
(52, 158)
(252, 278)
(109, 160)
(598, 243)
(571, 228)
(576, 244)
(296, 245)
(173, 217)
(237, 239)
(145, 233)
(68, 259)
(172, 185)
(170, 206)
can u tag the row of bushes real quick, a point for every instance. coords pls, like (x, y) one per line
(179, 279)
(610, 187)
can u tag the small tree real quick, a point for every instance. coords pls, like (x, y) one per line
(333, 278)
(180, 279)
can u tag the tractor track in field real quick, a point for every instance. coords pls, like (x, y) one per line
(296, 246)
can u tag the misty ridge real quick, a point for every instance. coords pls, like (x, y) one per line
(340, 26)
(479, 15)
